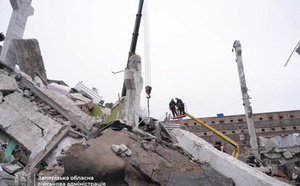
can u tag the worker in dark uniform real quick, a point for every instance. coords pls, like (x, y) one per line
(172, 107)
(220, 147)
(2, 37)
(180, 106)
(252, 161)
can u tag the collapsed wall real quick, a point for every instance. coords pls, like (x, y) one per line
(241, 173)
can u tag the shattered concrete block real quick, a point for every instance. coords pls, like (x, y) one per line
(272, 143)
(21, 121)
(125, 150)
(59, 88)
(121, 149)
(7, 83)
(273, 155)
(29, 57)
(27, 93)
(294, 159)
(278, 150)
(12, 168)
(287, 154)
(115, 148)
(295, 150)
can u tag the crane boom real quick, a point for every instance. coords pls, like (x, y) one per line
(134, 38)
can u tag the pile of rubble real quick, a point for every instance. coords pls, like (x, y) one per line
(282, 155)
(50, 133)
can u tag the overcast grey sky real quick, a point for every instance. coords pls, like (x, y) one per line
(190, 48)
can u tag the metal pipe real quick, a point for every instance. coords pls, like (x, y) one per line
(236, 151)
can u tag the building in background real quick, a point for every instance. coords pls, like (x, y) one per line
(268, 125)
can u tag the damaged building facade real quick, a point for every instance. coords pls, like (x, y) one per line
(268, 124)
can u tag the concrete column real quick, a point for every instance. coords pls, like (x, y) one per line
(246, 99)
(22, 9)
(134, 85)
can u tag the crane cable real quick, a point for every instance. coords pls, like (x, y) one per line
(148, 88)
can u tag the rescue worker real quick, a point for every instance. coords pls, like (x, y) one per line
(2, 37)
(172, 107)
(252, 161)
(180, 106)
(220, 147)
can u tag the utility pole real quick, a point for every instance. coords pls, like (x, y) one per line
(246, 99)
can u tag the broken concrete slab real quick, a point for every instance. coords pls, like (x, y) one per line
(12, 168)
(13, 122)
(62, 89)
(18, 114)
(121, 149)
(273, 155)
(294, 150)
(36, 159)
(61, 104)
(241, 173)
(7, 83)
(207, 177)
(69, 106)
(29, 57)
(26, 108)
(294, 159)
(287, 154)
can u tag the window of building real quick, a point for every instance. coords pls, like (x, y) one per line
(263, 130)
(224, 132)
(283, 128)
(231, 120)
(242, 130)
(240, 120)
(233, 131)
(195, 123)
(205, 133)
(213, 122)
(294, 127)
(280, 117)
(240, 127)
(221, 121)
(186, 124)
(260, 119)
(273, 128)
(291, 116)
(271, 117)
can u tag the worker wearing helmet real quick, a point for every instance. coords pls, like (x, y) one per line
(2, 37)
(220, 147)
(180, 106)
(252, 161)
(172, 107)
